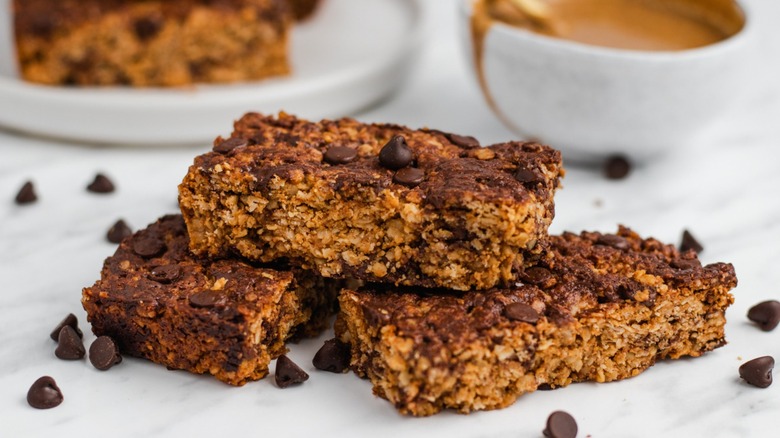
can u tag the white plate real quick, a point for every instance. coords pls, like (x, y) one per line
(351, 54)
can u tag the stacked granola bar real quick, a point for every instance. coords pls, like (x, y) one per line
(466, 302)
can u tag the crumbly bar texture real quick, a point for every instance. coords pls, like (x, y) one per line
(608, 307)
(151, 43)
(472, 222)
(222, 317)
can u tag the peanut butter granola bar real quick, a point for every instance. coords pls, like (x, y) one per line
(376, 202)
(599, 307)
(222, 317)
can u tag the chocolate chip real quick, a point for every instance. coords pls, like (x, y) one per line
(617, 167)
(685, 264)
(758, 372)
(44, 394)
(148, 246)
(101, 184)
(690, 242)
(333, 356)
(207, 298)
(147, 27)
(527, 176)
(409, 177)
(340, 155)
(521, 312)
(26, 194)
(288, 373)
(104, 353)
(69, 345)
(766, 314)
(230, 144)
(537, 275)
(613, 240)
(396, 154)
(165, 274)
(464, 141)
(118, 232)
(70, 321)
(560, 425)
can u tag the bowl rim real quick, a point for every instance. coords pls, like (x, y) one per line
(569, 46)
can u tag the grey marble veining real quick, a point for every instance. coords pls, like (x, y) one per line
(725, 188)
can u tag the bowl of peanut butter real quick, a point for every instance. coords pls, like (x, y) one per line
(602, 77)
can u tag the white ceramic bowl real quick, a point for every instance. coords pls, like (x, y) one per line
(592, 101)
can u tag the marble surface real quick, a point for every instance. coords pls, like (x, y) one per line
(725, 188)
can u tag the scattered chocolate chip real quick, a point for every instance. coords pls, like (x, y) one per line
(101, 184)
(685, 264)
(690, 242)
(69, 345)
(537, 275)
(44, 394)
(104, 353)
(165, 274)
(409, 176)
(560, 425)
(527, 176)
(118, 232)
(396, 154)
(544, 387)
(617, 167)
(230, 144)
(288, 373)
(147, 27)
(758, 372)
(149, 246)
(333, 356)
(340, 155)
(765, 314)
(613, 240)
(70, 321)
(464, 141)
(521, 312)
(26, 194)
(207, 298)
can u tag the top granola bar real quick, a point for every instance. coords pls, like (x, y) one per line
(376, 202)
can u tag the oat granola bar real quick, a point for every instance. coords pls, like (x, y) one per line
(376, 202)
(598, 308)
(221, 317)
(151, 43)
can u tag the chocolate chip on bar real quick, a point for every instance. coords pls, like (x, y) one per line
(101, 184)
(149, 246)
(758, 372)
(617, 167)
(521, 312)
(118, 231)
(766, 314)
(69, 320)
(26, 194)
(340, 155)
(333, 356)
(464, 141)
(229, 144)
(690, 242)
(396, 154)
(165, 274)
(207, 298)
(409, 176)
(288, 373)
(44, 394)
(560, 425)
(69, 345)
(104, 353)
